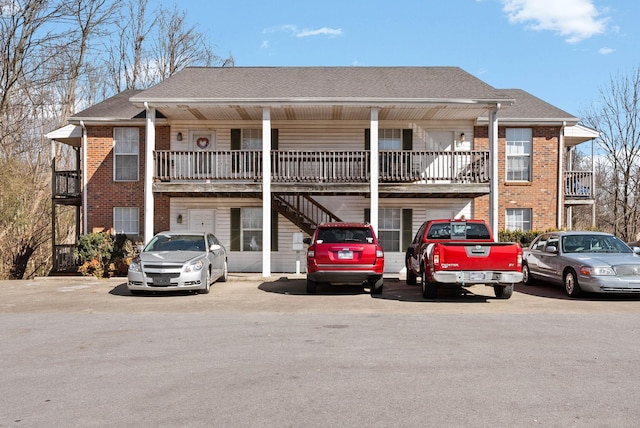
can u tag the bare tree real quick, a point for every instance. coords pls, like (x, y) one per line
(616, 116)
(178, 45)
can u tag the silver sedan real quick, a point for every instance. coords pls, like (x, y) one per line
(582, 261)
(174, 261)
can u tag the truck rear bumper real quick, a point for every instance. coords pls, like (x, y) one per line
(477, 277)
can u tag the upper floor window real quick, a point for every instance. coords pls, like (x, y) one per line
(126, 150)
(251, 139)
(518, 219)
(519, 146)
(390, 139)
(125, 220)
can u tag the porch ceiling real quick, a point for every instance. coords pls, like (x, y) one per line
(323, 112)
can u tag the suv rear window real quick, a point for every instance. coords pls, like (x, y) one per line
(335, 235)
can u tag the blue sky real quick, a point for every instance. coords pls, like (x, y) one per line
(563, 51)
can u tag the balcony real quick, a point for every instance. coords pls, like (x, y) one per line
(66, 187)
(578, 186)
(295, 166)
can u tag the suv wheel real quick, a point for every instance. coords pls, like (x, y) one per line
(376, 286)
(311, 286)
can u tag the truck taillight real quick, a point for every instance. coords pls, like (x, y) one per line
(519, 260)
(436, 257)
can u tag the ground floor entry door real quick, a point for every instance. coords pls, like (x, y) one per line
(202, 220)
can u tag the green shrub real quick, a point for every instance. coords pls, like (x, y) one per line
(103, 255)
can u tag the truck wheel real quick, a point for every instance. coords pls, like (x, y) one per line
(412, 279)
(311, 286)
(503, 291)
(429, 289)
(571, 285)
(376, 286)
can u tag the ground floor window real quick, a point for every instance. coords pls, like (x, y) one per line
(389, 228)
(518, 219)
(126, 220)
(251, 229)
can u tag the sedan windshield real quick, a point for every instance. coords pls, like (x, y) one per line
(177, 243)
(593, 244)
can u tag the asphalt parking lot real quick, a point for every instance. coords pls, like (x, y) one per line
(286, 293)
(262, 353)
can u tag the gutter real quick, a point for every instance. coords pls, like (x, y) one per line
(85, 223)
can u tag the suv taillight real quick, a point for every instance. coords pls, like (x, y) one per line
(379, 252)
(311, 252)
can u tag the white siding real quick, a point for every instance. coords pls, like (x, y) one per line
(284, 260)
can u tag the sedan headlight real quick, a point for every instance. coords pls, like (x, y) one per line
(597, 271)
(195, 266)
(135, 266)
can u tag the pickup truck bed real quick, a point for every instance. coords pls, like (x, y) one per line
(461, 253)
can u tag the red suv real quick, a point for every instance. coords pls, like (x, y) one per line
(344, 253)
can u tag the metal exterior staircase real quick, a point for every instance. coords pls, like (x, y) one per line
(303, 211)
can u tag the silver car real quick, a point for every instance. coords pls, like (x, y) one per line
(174, 261)
(582, 261)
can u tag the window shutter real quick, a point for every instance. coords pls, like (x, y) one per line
(407, 225)
(367, 139)
(235, 139)
(407, 139)
(367, 215)
(274, 230)
(236, 218)
(274, 139)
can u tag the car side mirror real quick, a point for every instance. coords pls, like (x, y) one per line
(551, 249)
(307, 241)
(214, 247)
(636, 250)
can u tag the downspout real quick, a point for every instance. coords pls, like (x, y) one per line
(85, 222)
(150, 143)
(493, 162)
(375, 170)
(266, 192)
(560, 198)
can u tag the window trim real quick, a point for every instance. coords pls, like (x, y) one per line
(528, 155)
(514, 212)
(116, 154)
(135, 216)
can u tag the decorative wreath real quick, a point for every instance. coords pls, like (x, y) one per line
(202, 142)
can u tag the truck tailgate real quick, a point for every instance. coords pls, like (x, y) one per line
(494, 256)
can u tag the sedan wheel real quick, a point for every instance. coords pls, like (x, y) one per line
(571, 284)
(526, 275)
(207, 282)
(225, 272)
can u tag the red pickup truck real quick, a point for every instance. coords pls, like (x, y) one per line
(455, 253)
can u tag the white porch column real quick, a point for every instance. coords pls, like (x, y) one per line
(266, 192)
(493, 162)
(561, 169)
(374, 167)
(150, 146)
(85, 184)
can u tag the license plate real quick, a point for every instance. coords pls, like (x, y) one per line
(159, 280)
(345, 255)
(476, 276)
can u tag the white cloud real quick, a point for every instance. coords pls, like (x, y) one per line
(574, 19)
(265, 44)
(606, 51)
(320, 31)
(293, 29)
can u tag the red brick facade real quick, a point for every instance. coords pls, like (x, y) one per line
(103, 193)
(540, 195)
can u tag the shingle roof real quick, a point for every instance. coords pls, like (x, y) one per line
(528, 106)
(327, 83)
(118, 107)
